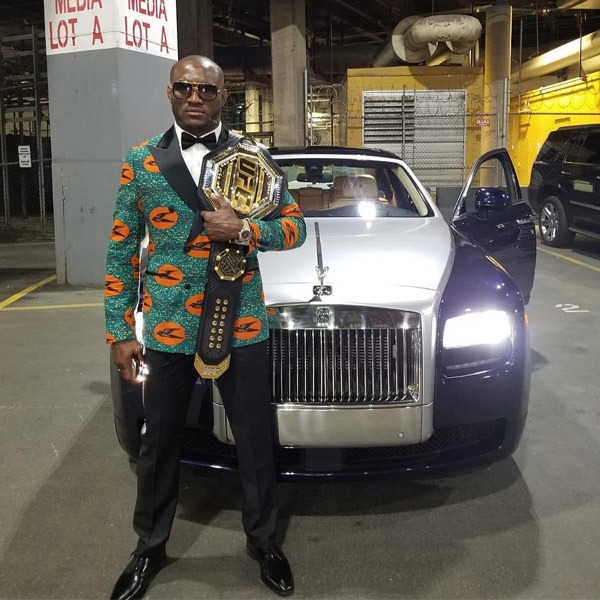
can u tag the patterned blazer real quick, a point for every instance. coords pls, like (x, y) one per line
(155, 195)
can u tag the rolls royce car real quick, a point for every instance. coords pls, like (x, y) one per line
(398, 338)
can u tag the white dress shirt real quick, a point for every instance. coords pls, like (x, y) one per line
(194, 154)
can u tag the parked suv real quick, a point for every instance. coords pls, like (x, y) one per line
(565, 185)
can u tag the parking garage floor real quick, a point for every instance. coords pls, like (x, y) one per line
(527, 527)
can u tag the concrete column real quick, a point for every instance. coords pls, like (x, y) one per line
(108, 69)
(288, 58)
(497, 71)
(195, 27)
(253, 116)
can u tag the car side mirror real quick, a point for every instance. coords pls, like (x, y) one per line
(490, 198)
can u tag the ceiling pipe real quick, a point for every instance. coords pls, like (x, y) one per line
(571, 4)
(585, 49)
(415, 39)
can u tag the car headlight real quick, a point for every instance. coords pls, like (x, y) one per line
(489, 327)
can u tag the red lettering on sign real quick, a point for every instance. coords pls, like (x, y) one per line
(69, 6)
(62, 36)
(137, 35)
(97, 33)
(163, 41)
(150, 8)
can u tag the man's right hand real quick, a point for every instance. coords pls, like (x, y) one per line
(127, 355)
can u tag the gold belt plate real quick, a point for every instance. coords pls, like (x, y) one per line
(246, 175)
(229, 264)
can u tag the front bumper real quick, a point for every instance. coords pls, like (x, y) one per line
(335, 426)
(447, 450)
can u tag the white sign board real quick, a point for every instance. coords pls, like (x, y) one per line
(24, 156)
(148, 26)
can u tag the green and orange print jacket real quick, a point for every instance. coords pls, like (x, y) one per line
(155, 184)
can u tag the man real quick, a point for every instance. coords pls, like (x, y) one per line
(158, 196)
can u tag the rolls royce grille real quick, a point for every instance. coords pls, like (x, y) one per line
(373, 365)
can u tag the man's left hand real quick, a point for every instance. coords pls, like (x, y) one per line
(223, 224)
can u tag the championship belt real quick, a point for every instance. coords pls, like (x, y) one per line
(247, 177)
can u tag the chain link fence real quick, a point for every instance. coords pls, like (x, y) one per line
(438, 125)
(25, 154)
(326, 115)
(438, 132)
(534, 114)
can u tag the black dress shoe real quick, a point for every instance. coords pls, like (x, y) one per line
(275, 570)
(136, 577)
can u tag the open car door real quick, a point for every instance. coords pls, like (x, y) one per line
(491, 213)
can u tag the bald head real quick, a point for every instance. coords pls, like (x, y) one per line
(197, 111)
(194, 62)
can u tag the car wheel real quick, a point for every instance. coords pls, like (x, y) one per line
(553, 224)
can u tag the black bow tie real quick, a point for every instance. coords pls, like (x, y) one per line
(187, 140)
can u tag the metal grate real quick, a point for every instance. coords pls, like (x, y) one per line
(389, 118)
(425, 127)
(345, 365)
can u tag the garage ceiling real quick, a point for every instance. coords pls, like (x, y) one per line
(334, 26)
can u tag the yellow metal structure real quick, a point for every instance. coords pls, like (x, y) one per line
(536, 113)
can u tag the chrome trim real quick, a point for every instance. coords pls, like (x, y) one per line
(303, 316)
(350, 426)
(340, 427)
(525, 221)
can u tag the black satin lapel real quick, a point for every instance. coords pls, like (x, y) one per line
(173, 168)
(224, 137)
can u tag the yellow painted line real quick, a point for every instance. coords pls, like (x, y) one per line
(26, 291)
(575, 261)
(54, 306)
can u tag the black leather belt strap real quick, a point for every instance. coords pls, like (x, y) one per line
(219, 309)
(227, 262)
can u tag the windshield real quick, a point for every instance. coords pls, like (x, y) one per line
(343, 187)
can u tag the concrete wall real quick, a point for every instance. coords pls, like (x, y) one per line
(101, 103)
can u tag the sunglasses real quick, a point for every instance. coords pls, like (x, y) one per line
(184, 89)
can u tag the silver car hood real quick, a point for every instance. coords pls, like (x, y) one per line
(366, 261)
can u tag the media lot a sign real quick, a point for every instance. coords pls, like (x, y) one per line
(148, 26)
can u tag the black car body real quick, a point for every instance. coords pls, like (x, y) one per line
(399, 342)
(564, 188)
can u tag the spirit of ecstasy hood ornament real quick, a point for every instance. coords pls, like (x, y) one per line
(321, 289)
(321, 274)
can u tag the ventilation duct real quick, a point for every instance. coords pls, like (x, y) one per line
(415, 39)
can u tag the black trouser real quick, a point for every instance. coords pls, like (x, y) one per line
(168, 388)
